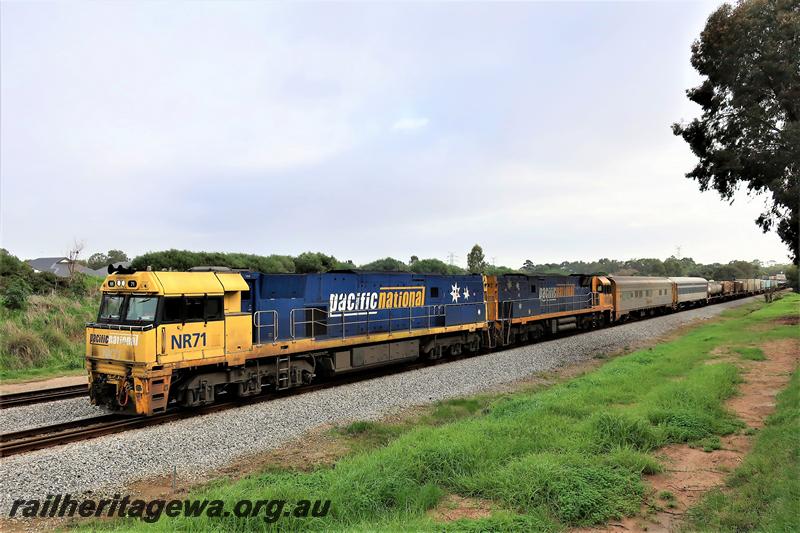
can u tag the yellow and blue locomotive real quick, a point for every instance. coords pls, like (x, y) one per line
(187, 337)
(165, 339)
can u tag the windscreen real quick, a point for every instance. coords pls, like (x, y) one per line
(111, 306)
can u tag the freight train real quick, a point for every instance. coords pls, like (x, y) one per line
(164, 339)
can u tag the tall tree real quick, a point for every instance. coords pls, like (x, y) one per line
(476, 260)
(749, 131)
(97, 260)
(117, 256)
(100, 260)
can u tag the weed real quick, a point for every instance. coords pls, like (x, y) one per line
(707, 444)
(751, 353)
(619, 429)
(358, 427)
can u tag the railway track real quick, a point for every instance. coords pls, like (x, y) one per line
(43, 395)
(40, 438)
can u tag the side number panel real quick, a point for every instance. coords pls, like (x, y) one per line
(190, 341)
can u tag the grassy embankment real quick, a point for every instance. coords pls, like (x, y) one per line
(47, 337)
(573, 454)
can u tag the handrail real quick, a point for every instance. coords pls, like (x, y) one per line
(258, 325)
(120, 327)
(555, 304)
(430, 311)
(427, 313)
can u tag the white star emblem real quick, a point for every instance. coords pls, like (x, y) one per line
(455, 292)
(466, 294)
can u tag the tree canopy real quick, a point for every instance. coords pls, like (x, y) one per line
(309, 262)
(749, 131)
(100, 260)
(476, 260)
(650, 266)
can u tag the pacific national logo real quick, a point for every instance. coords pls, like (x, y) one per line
(385, 298)
(102, 339)
(559, 291)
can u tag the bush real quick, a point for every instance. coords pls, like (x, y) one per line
(12, 271)
(310, 262)
(435, 266)
(77, 286)
(15, 294)
(619, 430)
(387, 264)
(23, 347)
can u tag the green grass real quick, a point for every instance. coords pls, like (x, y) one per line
(570, 455)
(46, 338)
(751, 353)
(764, 493)
(364, 435)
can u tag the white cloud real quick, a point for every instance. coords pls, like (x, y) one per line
(410, 123)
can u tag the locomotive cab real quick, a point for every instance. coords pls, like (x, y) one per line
(152, 323)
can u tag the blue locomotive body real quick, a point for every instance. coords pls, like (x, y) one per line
(346, 304)
(521, 296)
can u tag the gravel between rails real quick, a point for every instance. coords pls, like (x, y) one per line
(197, 446)
(47, 413)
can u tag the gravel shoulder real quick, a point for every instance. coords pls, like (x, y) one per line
(198, 446)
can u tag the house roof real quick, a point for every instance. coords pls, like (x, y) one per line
(59, 266)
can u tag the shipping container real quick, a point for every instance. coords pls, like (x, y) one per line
(727, 288)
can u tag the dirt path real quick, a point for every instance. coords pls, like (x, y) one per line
(51, 383)
(690, 472)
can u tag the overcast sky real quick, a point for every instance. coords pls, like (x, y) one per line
(540, 131)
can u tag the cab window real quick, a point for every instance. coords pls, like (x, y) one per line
(191, 309)
(173, 309)
(194, 309)
(111, 307)
(213, 308)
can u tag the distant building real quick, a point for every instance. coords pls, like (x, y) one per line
(60, 266)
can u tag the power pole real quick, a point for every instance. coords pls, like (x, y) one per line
(451, 258)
